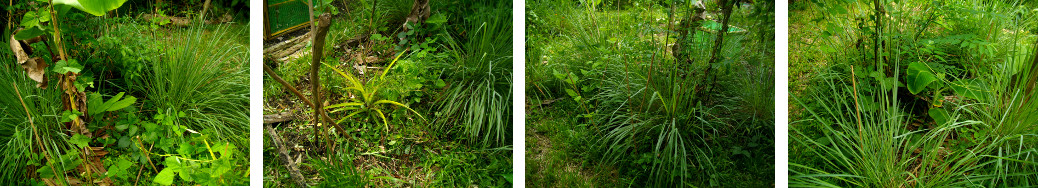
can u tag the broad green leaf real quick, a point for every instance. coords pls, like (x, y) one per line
(919, 76)
(124, 142)
(95, 7)
(439, 83)
(94, 103)
(939, 115)
(63, 67)
(46, 171)
(436, 19)
(29, 20)
(29, 33)
(122, 103)
(165, 177)
(571, 79)
(79, 140)
(970, 88)
(111, 101)
(572, 93)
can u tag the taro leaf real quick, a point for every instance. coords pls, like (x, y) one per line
(165, 177)
(919, 76)
(939, 115)
(31, 32)
(95, 7)
(29, 20)
(969, 88)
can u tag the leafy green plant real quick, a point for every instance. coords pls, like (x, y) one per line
(973, 131)
(366, 103)
(477, 102)
(206, 78)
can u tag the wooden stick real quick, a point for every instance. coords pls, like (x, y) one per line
(315, 67)
(293, 170)
(857, 108)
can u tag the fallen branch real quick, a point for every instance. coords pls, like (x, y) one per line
(293, 170)
(278, 118)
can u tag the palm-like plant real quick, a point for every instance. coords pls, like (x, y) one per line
(367, 102)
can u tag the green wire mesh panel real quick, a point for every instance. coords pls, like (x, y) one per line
(713, 27)
(284, 16)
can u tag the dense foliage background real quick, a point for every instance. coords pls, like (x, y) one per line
(445, 83)
(638, 93)
(166, 105)
(913, 93)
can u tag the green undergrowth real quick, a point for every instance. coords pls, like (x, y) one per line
(928, 94)
(607, 90)
(165, 106)
(431, 107)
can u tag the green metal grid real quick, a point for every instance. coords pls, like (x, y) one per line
(285, 15)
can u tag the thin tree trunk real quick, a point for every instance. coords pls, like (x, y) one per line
(726, 10)
(315, 67)
(719, 42)
(205, 8)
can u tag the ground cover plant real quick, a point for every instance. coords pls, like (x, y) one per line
(649, 93)
(408, 94)
(913, 94)
(95, 93)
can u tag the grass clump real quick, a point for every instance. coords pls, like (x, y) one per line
(933, 97)
(698, 115)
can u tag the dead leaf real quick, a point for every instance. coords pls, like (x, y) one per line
(35, 67)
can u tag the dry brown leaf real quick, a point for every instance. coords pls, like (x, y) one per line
(35, 67)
